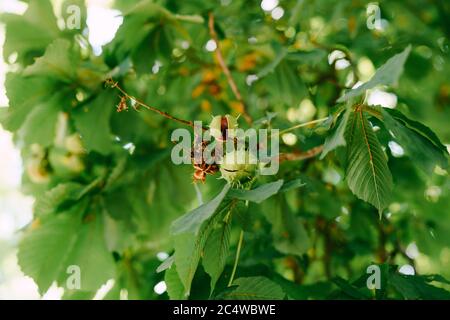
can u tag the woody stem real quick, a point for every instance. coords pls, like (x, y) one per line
(115, 85)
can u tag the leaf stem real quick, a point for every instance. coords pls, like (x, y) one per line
(189, 18)
(236, 260)
(303, 125)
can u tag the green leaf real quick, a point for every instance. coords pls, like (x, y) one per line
(367, 173)
(216, 251)
(20, 105)
(93, 123)
(337, 139)
(291, 185)
(313, 57)
(175, 288)
(417, 127)
(90, 254)
(435, 277)
(3, 115)
(40, 124)
(255, 288)
(284, 84)
(388, 74)
(418, 141)
(288, 232)
(259, 194)
(78, 295)
(166, 264)
(280, 54)
(58, 62)
(63, 193)
(187, 256)
(315, 291)
(53, 198)
(56, 242)
(189, 246)
(293, 239)
(44, 247)
(417, 287)
(192, 221)
(350, 289)
(140, 22)
(31, 32)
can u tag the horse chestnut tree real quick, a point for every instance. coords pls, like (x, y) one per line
(360, 111)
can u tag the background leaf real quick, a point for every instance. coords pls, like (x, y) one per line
(255, 288)
(388, 74)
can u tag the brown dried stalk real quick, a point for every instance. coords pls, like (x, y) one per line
(296, 156)
(226, 70)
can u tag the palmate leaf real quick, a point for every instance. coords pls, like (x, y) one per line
(418, 141)
(417, 287)
(418, 127)
(32, 32)
(188, 250)
(216, 252)
(337, 138)
(40, 124)
(50, 201)
(349, 289)
(20, 105)
(175, 287)
(367, 172)
(166, 264)
(192, 221)
(58, 62)
(43, 249)
(63, 193)
(259, 194)
(187, 256)
(289, 234)
(50, 246)
(190, 233)
(255, 288)
(93, 123)
(292, 184)
(90, 254)
(387, 74)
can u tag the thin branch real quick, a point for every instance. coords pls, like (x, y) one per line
(225, 68)
(297, 156)
(115, 85)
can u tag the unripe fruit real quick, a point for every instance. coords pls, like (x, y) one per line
(73, 144)
(238, 166)
(65, 164)
(36, 172)
(223, 127)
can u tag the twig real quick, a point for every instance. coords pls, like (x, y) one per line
(296, 156)
(225, 68)
(115, 85)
